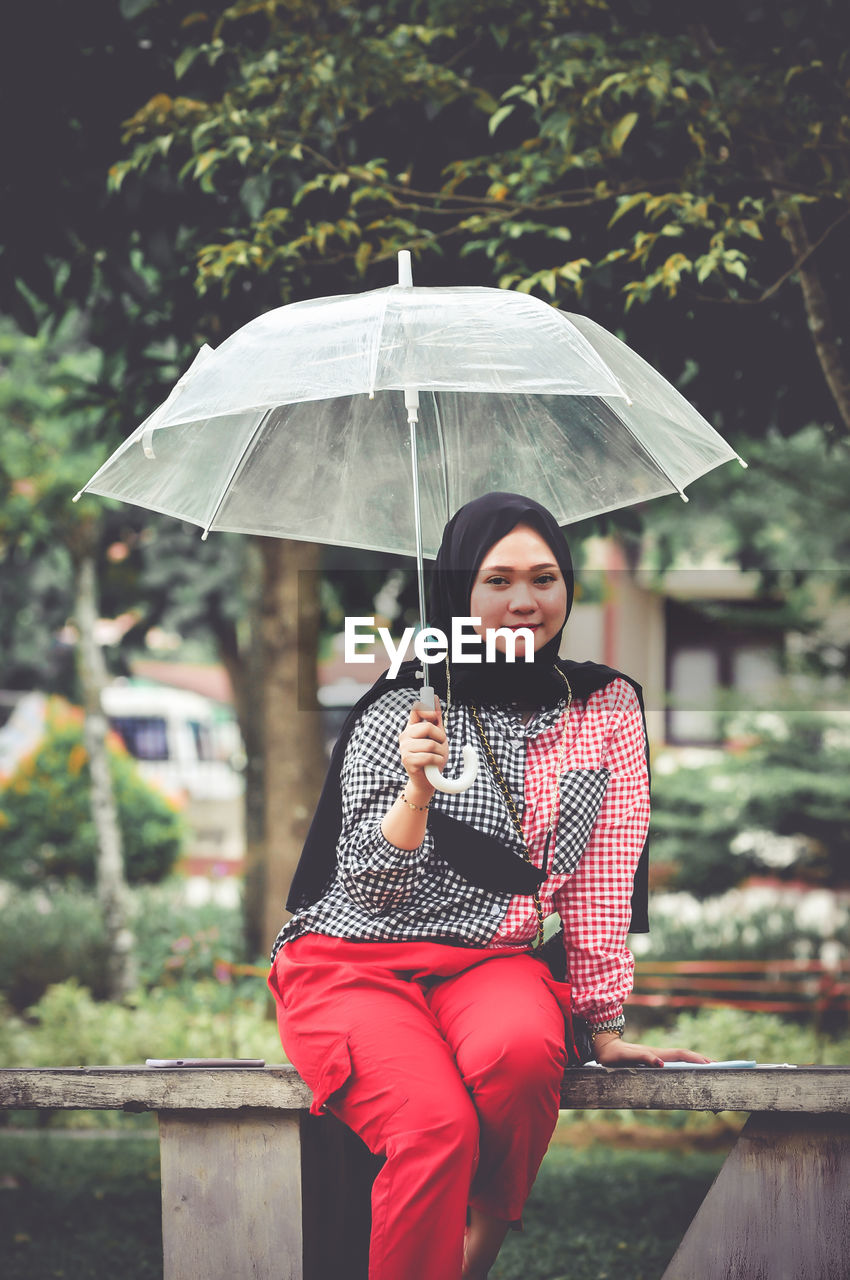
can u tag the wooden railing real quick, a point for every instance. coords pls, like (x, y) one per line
(758, 986)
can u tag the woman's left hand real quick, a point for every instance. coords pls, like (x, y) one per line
(614, 1052)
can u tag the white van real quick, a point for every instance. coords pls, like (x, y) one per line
(180, 739)
(186, 744)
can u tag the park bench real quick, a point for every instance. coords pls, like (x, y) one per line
(803, 987)
(254, 1186)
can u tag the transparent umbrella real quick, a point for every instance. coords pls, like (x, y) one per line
(368, 419)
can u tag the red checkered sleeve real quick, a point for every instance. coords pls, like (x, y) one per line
(594, 902)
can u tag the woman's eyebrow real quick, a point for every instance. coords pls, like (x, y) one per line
(511, 568)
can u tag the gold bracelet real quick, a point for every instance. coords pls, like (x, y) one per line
(420, 808)
(605, 1031)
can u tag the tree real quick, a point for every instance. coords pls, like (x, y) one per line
(600, 152)
(591, 150)
(492, 141)
(34, 475)
(120, 265)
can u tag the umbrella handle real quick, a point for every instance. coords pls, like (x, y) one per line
(451, 786)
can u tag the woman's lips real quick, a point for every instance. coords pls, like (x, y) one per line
(520, 626)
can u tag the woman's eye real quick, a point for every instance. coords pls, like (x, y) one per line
(545, 578)
(495, 580)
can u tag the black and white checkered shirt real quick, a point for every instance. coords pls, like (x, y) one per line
(382, 893)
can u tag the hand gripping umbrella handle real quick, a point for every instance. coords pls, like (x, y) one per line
(452, 786)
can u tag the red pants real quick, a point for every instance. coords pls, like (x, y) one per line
(447, 1061)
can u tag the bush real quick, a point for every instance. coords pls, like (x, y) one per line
(734, 1033)
(776, 806)
(205, 1020)
(45, 815)
(47, 936)
(178, 941)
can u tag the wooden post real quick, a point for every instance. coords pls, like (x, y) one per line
(231, 1195)
(779, 1209)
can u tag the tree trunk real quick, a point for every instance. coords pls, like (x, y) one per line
(242, 654)
(109, 870)
(815, 300)
(294, 757)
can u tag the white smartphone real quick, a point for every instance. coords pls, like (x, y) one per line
(205, 1062)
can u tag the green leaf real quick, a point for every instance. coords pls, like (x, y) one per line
(497, 117)
(361, 257)
(205, 161)
(625, 204)
(621, 131)
(185, 60)
(735, 267)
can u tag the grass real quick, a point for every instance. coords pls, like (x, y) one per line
(600, 1213)
(86, 1207)
(82, 1207)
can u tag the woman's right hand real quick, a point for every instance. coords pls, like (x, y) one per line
(422, 741)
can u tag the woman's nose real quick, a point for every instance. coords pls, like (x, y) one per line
(522, 599)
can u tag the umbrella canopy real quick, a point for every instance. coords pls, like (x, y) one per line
(296, 426)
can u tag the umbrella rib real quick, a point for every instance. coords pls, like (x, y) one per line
(234, 471)
(649, 452)
(444, 466)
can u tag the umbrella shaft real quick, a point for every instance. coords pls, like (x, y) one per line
(417, 520)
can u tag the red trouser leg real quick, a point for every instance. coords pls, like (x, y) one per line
(376, 1037)
(506, 1032)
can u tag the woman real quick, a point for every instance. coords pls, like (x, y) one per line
(409, 993)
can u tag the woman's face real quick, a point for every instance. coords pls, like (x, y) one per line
(519, 584)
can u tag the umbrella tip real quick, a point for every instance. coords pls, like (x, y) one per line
(744, 464)
(405, 269)
(683, 496)
(77, 496)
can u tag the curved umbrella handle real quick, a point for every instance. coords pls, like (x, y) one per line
(451, 786)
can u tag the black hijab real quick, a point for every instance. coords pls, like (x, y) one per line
(467, 538)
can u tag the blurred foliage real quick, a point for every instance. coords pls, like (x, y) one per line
(68, 1027)
(47, 447)
(179, 942)
(48, 936)
(743, 924)
(153, 571)
(777, 806)
(45, 815)
(787, 522)
(734, 1033)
